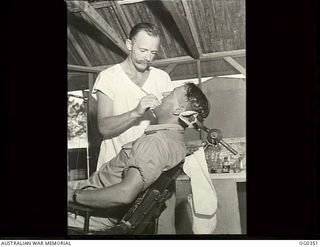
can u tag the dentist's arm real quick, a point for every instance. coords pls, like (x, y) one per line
(110, 125)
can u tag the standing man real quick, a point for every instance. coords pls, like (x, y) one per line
(125, 92)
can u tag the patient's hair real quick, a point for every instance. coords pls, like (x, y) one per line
(151, 29)
(197, 100)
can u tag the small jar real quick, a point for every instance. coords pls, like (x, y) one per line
(236, 170)
(219, 167)
(225, 165)
(219, 170)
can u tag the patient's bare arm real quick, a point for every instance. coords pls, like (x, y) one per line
(115, 195)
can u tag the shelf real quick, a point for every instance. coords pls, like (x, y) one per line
(238, 177)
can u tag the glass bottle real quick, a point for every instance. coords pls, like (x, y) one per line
(225, 165)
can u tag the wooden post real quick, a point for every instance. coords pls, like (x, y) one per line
(200, 86)
(94, 137)
(199, 71)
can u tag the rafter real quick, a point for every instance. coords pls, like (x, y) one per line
(121, 17)
(192, 26)
(183, 26)
(101, 24)
(102, 4)
(78, 48)
(235, 64)
(96, 5)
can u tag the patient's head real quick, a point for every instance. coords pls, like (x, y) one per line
(187, 97)
(197, 101)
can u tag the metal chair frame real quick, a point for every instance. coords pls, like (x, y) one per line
(143, 213)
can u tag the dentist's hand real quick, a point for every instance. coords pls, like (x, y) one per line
(148, 101)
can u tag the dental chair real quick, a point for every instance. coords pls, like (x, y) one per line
(141, 216)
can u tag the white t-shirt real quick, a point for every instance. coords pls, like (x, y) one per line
(126, 95)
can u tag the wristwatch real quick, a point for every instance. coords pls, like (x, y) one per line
(74, 196)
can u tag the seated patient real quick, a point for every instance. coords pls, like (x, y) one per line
(139, 163)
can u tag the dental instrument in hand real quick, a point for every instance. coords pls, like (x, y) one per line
(150, 109)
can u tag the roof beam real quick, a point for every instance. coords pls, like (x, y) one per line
(221, 54)
(235, 64)
(192, 26)
(183, 26)
(78, 48)
(101, 24)
(96, 5)
(79, 68)
(203, 58)
(76, 73)
(203, 74)
(81, 82)
(168, 61)
(102, 4)
(170, 68)
(121, 17)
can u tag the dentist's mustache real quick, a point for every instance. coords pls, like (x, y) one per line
(145, 62)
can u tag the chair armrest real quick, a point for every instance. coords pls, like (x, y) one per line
(75, 208)
(88, 211)
(136, 217)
